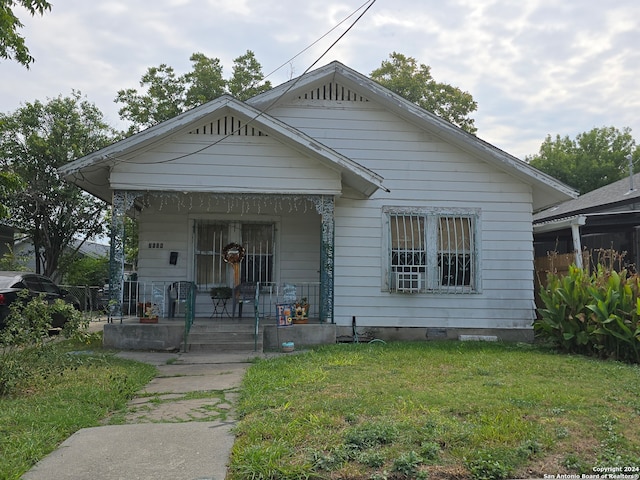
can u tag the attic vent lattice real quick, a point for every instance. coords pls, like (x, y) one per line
(333, 91)
(228, 125)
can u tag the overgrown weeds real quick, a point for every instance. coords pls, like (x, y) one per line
(27, 336)
(434, 410)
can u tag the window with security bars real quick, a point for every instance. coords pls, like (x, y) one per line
(257, 240)
(432, 251)
(455, 251)
(408, 252)
(212, 237)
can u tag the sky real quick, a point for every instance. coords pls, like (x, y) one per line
(535, 67)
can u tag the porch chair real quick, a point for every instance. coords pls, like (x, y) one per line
(243, 293)
(178, 292)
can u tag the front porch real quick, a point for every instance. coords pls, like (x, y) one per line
(190, 320)
(186, 238)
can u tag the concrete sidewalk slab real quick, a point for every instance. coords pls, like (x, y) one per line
(160, 440)
(165, 451)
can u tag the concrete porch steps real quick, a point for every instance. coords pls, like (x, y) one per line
(224, 336)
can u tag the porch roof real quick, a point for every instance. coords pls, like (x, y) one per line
(92, 172)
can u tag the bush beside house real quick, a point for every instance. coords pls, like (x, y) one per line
(595, 314)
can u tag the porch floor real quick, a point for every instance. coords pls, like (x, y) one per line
(202, 320)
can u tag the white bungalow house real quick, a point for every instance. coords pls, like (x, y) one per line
(410, 226)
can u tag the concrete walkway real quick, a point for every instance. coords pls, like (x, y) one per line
(177, 428)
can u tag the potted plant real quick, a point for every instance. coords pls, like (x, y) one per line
(301, 311)
(150, 314)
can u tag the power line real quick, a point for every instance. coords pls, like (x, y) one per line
(289, 88)
(321, 38)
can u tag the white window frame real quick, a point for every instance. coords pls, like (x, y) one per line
(426, 275)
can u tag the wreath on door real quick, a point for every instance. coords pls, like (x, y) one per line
(233, 253)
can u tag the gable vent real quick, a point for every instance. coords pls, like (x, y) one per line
(333, 91)
(228, 125)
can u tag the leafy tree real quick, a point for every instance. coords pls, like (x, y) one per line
(205, 80)
(9, 183)
(403, 75)
(34, 141)
(590, 161)
(12, 44)
(83, 270)
(164, 98)
(14, 261)
(166, 95)
(247, 77)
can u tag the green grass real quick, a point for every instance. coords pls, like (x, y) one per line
(435, 410)
(68, 389)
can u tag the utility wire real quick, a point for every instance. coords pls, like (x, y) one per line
(289, 88)
(319, 39)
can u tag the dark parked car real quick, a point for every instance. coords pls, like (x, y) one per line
(11, 283)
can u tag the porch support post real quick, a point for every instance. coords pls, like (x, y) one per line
(121, 202)
(325, 207)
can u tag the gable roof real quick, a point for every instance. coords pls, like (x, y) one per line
(616, 194)
(91, 172)
(547, 190)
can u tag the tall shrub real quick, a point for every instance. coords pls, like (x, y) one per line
(597, 314)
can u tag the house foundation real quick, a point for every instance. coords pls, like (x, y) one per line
(140, 336)
(301, 335)
(418, 334)
(167, 336)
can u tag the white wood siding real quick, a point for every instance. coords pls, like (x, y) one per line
(421, 170)
(257, 164)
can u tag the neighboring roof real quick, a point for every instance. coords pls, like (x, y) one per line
(91, 172)
(87, 248)
(92, 249)
(610, 196)
(547, 190)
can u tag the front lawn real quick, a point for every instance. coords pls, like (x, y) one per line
(435, 410)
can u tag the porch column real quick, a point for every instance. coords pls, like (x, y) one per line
(325, 207)
(121, 202)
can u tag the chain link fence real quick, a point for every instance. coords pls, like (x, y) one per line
(93, 300)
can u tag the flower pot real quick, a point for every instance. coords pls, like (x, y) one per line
(149, 319)
(301, 312)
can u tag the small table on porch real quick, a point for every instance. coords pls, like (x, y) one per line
(220, 307)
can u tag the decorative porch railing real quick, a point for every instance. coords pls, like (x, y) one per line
(166, 298)
(168, 302)
(271, 293)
